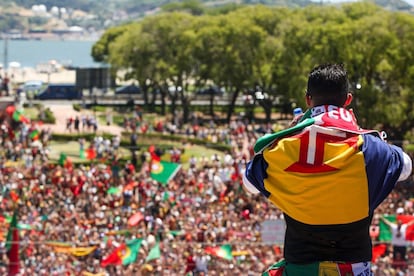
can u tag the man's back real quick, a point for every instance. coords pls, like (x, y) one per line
(327, 175)
(328, 178)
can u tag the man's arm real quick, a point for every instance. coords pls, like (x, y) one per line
(386, 221)
(407, 167)
(248, 187)
(254, 175)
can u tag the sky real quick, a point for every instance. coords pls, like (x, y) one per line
(411, 2)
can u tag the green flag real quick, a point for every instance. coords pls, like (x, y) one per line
(163, 171)
(12, 246)
(34, 135)
(62, 159)
(132, 249)
(17, 115)
(154, 253)
(82, 154)
(12, 228)
(385, 234)
(224, 251)
(114, 191)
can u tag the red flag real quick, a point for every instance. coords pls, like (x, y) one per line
(115, 258)
(277, 250)
(14, 196)
(223, 251)
(135, 219)
(409, 232)
(378, 251)
(10, 109)
(90, 153)
(12, 246)
(153, 154)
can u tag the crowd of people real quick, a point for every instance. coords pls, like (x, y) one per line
(90, 206)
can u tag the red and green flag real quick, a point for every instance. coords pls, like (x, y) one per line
(115, 257)
(378, 250)
(124, 254)
(62, 159)
(34, 134)
(163, 171)
(91, 153)
(223, 252)
(114, 191)
(12, 246)
(131, 252)
(154, 253)
(385, 233)
(18, 116)
(82, 154)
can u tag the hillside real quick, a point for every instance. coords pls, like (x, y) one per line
(92, 16)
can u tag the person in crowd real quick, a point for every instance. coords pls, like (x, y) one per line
(328, 176)
(6, 84)
(79, 206)
(399, 242)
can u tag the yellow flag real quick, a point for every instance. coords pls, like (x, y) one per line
(86, 273)
(82, 251)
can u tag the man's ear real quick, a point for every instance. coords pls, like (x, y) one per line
(308, 99)
(348, 100)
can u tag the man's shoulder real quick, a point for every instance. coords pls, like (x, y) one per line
(268, 139)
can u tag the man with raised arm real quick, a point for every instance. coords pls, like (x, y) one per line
(327, 175)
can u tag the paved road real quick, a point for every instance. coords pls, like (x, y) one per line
(64, 110)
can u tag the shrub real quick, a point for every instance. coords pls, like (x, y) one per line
(77, 107)
(49, 117)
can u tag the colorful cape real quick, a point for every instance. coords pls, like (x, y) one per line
(325, 119)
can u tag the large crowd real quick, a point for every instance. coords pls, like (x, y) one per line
(204, 205)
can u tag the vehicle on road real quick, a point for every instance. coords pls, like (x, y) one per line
(60, 91)
(211, 90)
(30, 88)
(128, 89)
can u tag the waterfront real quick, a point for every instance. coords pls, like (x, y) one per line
(31, 53)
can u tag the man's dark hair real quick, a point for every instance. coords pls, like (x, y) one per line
(328, 84)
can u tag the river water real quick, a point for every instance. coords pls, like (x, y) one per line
(31, 53)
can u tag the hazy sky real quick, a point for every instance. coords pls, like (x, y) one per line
(411, 2)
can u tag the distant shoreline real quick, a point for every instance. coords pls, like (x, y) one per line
(69, 51)
(52, 37)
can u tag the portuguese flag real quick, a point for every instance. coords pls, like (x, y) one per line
(163, 171)
(154, 253)
(125, 254)
(223, 252)
(131, 252)
(19, 117)
(12, 246)
(62, 159)
(34, 134)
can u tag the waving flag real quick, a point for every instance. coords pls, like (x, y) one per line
(385, 231)
(115, 257)
(19, 117)
(378, 250)
(135, 219)
(34, 134)
(163, 171)
(91, 153)
(124, 254)
(131, 252)
(62, 159)
(154, 253)
(12, 246)
(223, 251)
(75, 251)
